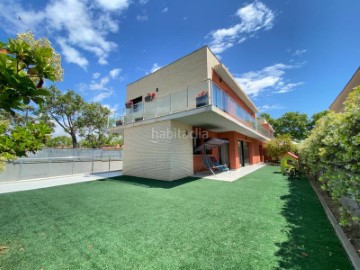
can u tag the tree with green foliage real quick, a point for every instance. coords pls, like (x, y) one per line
(316, 117)
(24, 65)
(59, 141)
(293, 123)
(278, 146)
(93, 124)
(19, 141)
(115, 139)
(268, 118)
(65, 109)
(333, 148)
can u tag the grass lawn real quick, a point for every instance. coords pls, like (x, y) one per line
(261, 221)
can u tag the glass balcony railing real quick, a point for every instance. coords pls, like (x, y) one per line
(203, 94)
(224, 102)
(177, 101)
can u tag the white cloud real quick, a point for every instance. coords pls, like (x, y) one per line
(113, 109)
(288, 87)
(271, 78)
(72, 55)
(268, 107)
(154, 68)
(79, 25)
(100, 86)
(298, 52)
(143, 2)
(114, 73)
(103, 95)
(142, 17)
(165, 10)
(253, 18)
(113, 4)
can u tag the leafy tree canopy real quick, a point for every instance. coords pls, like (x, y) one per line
(316, 117)
(293, 123)
(59, 141)
(24, 65)
(93, 124)
(268, 118)
(65, 109)
(77, 117)
(278, 146)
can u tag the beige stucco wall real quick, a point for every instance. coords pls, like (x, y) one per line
(212, 61)
(152, 151)
(187, 71)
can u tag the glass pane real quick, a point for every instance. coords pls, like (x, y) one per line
(179, 101)
(162, 105)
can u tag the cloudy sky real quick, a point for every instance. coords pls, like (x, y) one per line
(287, 55)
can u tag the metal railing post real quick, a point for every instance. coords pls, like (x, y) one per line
(20, 169)
(73, 164)
(49, 164)
(109, 164)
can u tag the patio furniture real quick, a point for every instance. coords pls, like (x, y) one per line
(213, 165)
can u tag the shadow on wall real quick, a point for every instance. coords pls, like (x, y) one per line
(312, 242)
(151, 183)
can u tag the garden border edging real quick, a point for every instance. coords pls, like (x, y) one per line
(351, 252)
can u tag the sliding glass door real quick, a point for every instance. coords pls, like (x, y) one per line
(224, 154)
(244, 156)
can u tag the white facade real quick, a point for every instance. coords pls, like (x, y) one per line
(161, 150)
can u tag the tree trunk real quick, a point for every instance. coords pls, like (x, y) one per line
(74, 140)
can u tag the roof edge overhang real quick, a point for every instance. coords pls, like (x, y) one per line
(344, 91)
(229, 79)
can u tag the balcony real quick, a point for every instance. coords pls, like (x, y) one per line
(188, 99)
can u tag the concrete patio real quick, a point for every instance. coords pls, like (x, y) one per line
(231, 175)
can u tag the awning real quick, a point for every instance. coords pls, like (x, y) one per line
(211, 143)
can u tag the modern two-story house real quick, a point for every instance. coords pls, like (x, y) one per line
(172, 113)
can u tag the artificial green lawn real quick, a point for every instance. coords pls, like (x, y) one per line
(261, 221)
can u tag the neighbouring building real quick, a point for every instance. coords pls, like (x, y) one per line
(172, 112)
(338, 103)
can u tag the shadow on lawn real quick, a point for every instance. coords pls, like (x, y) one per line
(312, 243)
(152, 183)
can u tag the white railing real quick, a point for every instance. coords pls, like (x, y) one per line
(186, 99)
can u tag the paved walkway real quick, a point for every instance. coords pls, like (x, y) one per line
(13, 186)
(231, 175)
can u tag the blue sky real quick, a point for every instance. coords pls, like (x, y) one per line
(287, 55)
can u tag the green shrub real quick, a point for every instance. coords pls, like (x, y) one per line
(333, 148)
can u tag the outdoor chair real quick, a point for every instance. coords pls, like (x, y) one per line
(213, 165)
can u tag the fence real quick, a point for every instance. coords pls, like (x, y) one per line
(57, 162)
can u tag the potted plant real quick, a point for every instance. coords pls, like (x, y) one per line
(202, 99)
(129, 104)
(150, 96)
